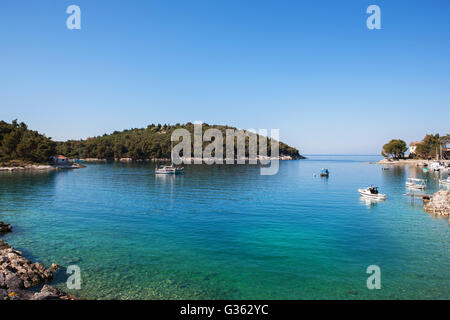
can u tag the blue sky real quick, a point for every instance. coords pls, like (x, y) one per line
(309, 68)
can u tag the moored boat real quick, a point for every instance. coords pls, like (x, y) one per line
(414, 183)
(324, 172)
(445, 182)
(169, 170)
(372, 193)
(437, 166)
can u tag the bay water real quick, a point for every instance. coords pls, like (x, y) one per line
(227, 232)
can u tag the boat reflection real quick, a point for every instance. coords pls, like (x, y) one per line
(370, 202)
(165, 178)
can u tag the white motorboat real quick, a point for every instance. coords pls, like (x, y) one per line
(169, 170)
(436, 166)
(372, 193)
(445, 182)
(414, 183)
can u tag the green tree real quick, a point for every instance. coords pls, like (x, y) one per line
(17, 142)
(395, 148)
(429, 146)
(139, 144)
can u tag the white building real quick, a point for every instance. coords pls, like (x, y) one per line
(412, 147)
(59, 159)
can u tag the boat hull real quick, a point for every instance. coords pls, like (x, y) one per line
(378, 196)
(415, 186)
(168, 172)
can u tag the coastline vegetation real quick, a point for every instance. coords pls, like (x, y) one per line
(20, 146)
(152, 142)
(432, 146)
(395, 148)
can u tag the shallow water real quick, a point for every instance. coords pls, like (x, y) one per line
(226, 232)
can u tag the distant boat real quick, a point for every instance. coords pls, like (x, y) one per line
(169, 170)
(445, 182)
(372, 193)
(414, 183)
(436, 166)
(324, 172)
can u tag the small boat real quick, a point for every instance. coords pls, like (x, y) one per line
(414, 183)
(445, 182)
(324, 172)
(372, 193)
(169, 170)
(437, 166)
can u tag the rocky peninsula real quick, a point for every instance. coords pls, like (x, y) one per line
(18, 275)
(439, 204)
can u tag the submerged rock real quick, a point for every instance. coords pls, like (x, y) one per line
(5, 228)
(439, 203)
(50, 293)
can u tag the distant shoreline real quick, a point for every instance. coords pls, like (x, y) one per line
(407, 162)
(42, 167)
(281, 158)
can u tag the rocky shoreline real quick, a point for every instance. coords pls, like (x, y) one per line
(408, 162)
(439, 204)
(18, 274)
(43, 167)
(190, 159)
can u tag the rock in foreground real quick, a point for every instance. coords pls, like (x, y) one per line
(5, 228)
(17, 274)
(439, 203)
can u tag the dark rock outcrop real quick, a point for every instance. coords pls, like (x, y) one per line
(17, 274)
(5, 228)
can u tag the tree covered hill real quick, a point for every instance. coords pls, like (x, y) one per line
(17, 142)
(152, 142)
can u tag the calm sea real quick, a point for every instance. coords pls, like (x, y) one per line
(226, 232)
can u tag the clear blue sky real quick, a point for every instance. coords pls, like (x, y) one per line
(310, 68)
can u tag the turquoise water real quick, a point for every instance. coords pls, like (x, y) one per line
(226, 232)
